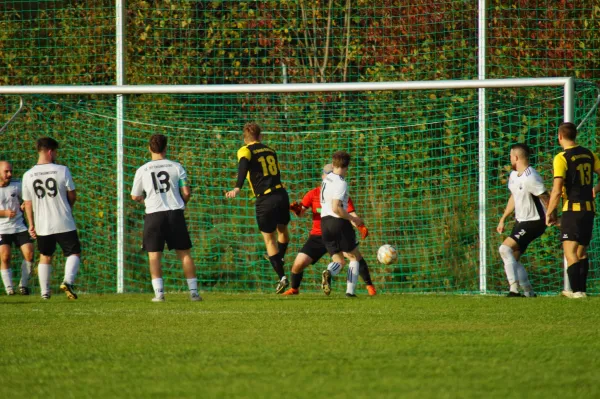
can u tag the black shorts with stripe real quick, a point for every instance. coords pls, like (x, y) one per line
(272, 209)
(19, 239)
(68, 242)
(315, 248)
(577, 226)
(166, 227)
(525, 232)
(338, 235)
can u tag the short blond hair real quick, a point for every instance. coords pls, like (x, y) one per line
(251, 131)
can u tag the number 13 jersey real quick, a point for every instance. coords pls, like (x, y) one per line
(160, 180)
(46, 187)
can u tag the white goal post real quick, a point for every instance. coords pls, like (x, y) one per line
(120, 90)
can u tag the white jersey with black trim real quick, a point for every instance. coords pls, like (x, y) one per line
(526, 188)
(160, 180)
(46, 186)
(333, 187)
(10, 200)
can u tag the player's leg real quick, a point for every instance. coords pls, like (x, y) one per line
(510, 253)
(267, 219)
(352, 275)
(154, 260)
(155, 228)
(333, 269)
(5, 270)
(585, 266)
(573, 264)
(311, 252)
(365, 274)
(46, 248)
(283, 239)
(26, 266)
(69, 242)
(283, 219)
(586, 226)
(189, 271)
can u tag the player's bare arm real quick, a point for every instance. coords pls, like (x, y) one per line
(7, 213)
(596, 188)
(72, 197)
(338, 208)
(186, 193)
(29, 215)
(138, 198)
(510, 207)
(557, 187)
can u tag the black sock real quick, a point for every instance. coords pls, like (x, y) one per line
(363, 271)
(585, 268)
(297, 279)
(277, 264)
(573, 273)
(282, 246)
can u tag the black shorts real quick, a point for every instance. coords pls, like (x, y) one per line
(68, 242)
(166, 226)
(19, 239)
(525, 232)
(315, 248)
(338, 235)
(272, 209)
(577, 226)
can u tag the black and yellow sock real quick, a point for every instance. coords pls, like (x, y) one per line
(277, 263)
(363, 271)
(297, 279)
(282, 246)
(574, 278)
(585, 268)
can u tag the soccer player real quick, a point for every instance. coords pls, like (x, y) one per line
(314, 248)
(258, 163)
(13, 230)
(573, 179)
(528, 200)
(49, 195)
(336, 226)
(164, 185)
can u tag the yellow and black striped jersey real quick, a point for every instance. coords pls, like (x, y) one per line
(576, 166)
(262, 169)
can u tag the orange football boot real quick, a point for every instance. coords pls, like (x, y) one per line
(371, 289)
(292, 291)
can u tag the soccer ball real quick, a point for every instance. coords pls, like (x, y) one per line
(387, 254)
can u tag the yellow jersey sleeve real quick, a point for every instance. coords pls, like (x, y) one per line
(596, 162)
(244, 152)
(560, 165)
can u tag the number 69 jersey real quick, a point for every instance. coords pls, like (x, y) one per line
(160, 180)
(46, 187)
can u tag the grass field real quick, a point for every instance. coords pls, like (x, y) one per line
(258, 346)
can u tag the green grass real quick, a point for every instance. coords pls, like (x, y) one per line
(258, 345)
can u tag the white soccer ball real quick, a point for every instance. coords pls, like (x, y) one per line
(387, 254)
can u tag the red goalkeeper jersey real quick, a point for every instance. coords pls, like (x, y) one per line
(312, 200)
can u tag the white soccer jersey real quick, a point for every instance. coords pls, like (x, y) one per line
(46, 187)
(525, 190)
(333, 187)
(160, 181)
(9, 200)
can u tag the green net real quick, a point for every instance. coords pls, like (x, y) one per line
(416, 153)
(414, 178)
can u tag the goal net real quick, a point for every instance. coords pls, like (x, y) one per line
(414, 179)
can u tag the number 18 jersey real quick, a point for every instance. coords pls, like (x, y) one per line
(160, 180)
(46, 187)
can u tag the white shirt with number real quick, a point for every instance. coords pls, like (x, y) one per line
(334, 187)
(46, 187)
(9, 200)
(525, 189)
(160, 180)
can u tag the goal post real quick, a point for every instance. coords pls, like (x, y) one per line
(121, 91)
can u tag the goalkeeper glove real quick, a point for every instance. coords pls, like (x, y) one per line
(296, 208)
(364, 232)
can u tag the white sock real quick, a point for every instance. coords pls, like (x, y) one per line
(522, 277)
(25, 273)
(157, 284)
(7, 278)
(352, 277)
(334, 268)
(193, 285)
(508, 256)
(44, 272)
(71, 269)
